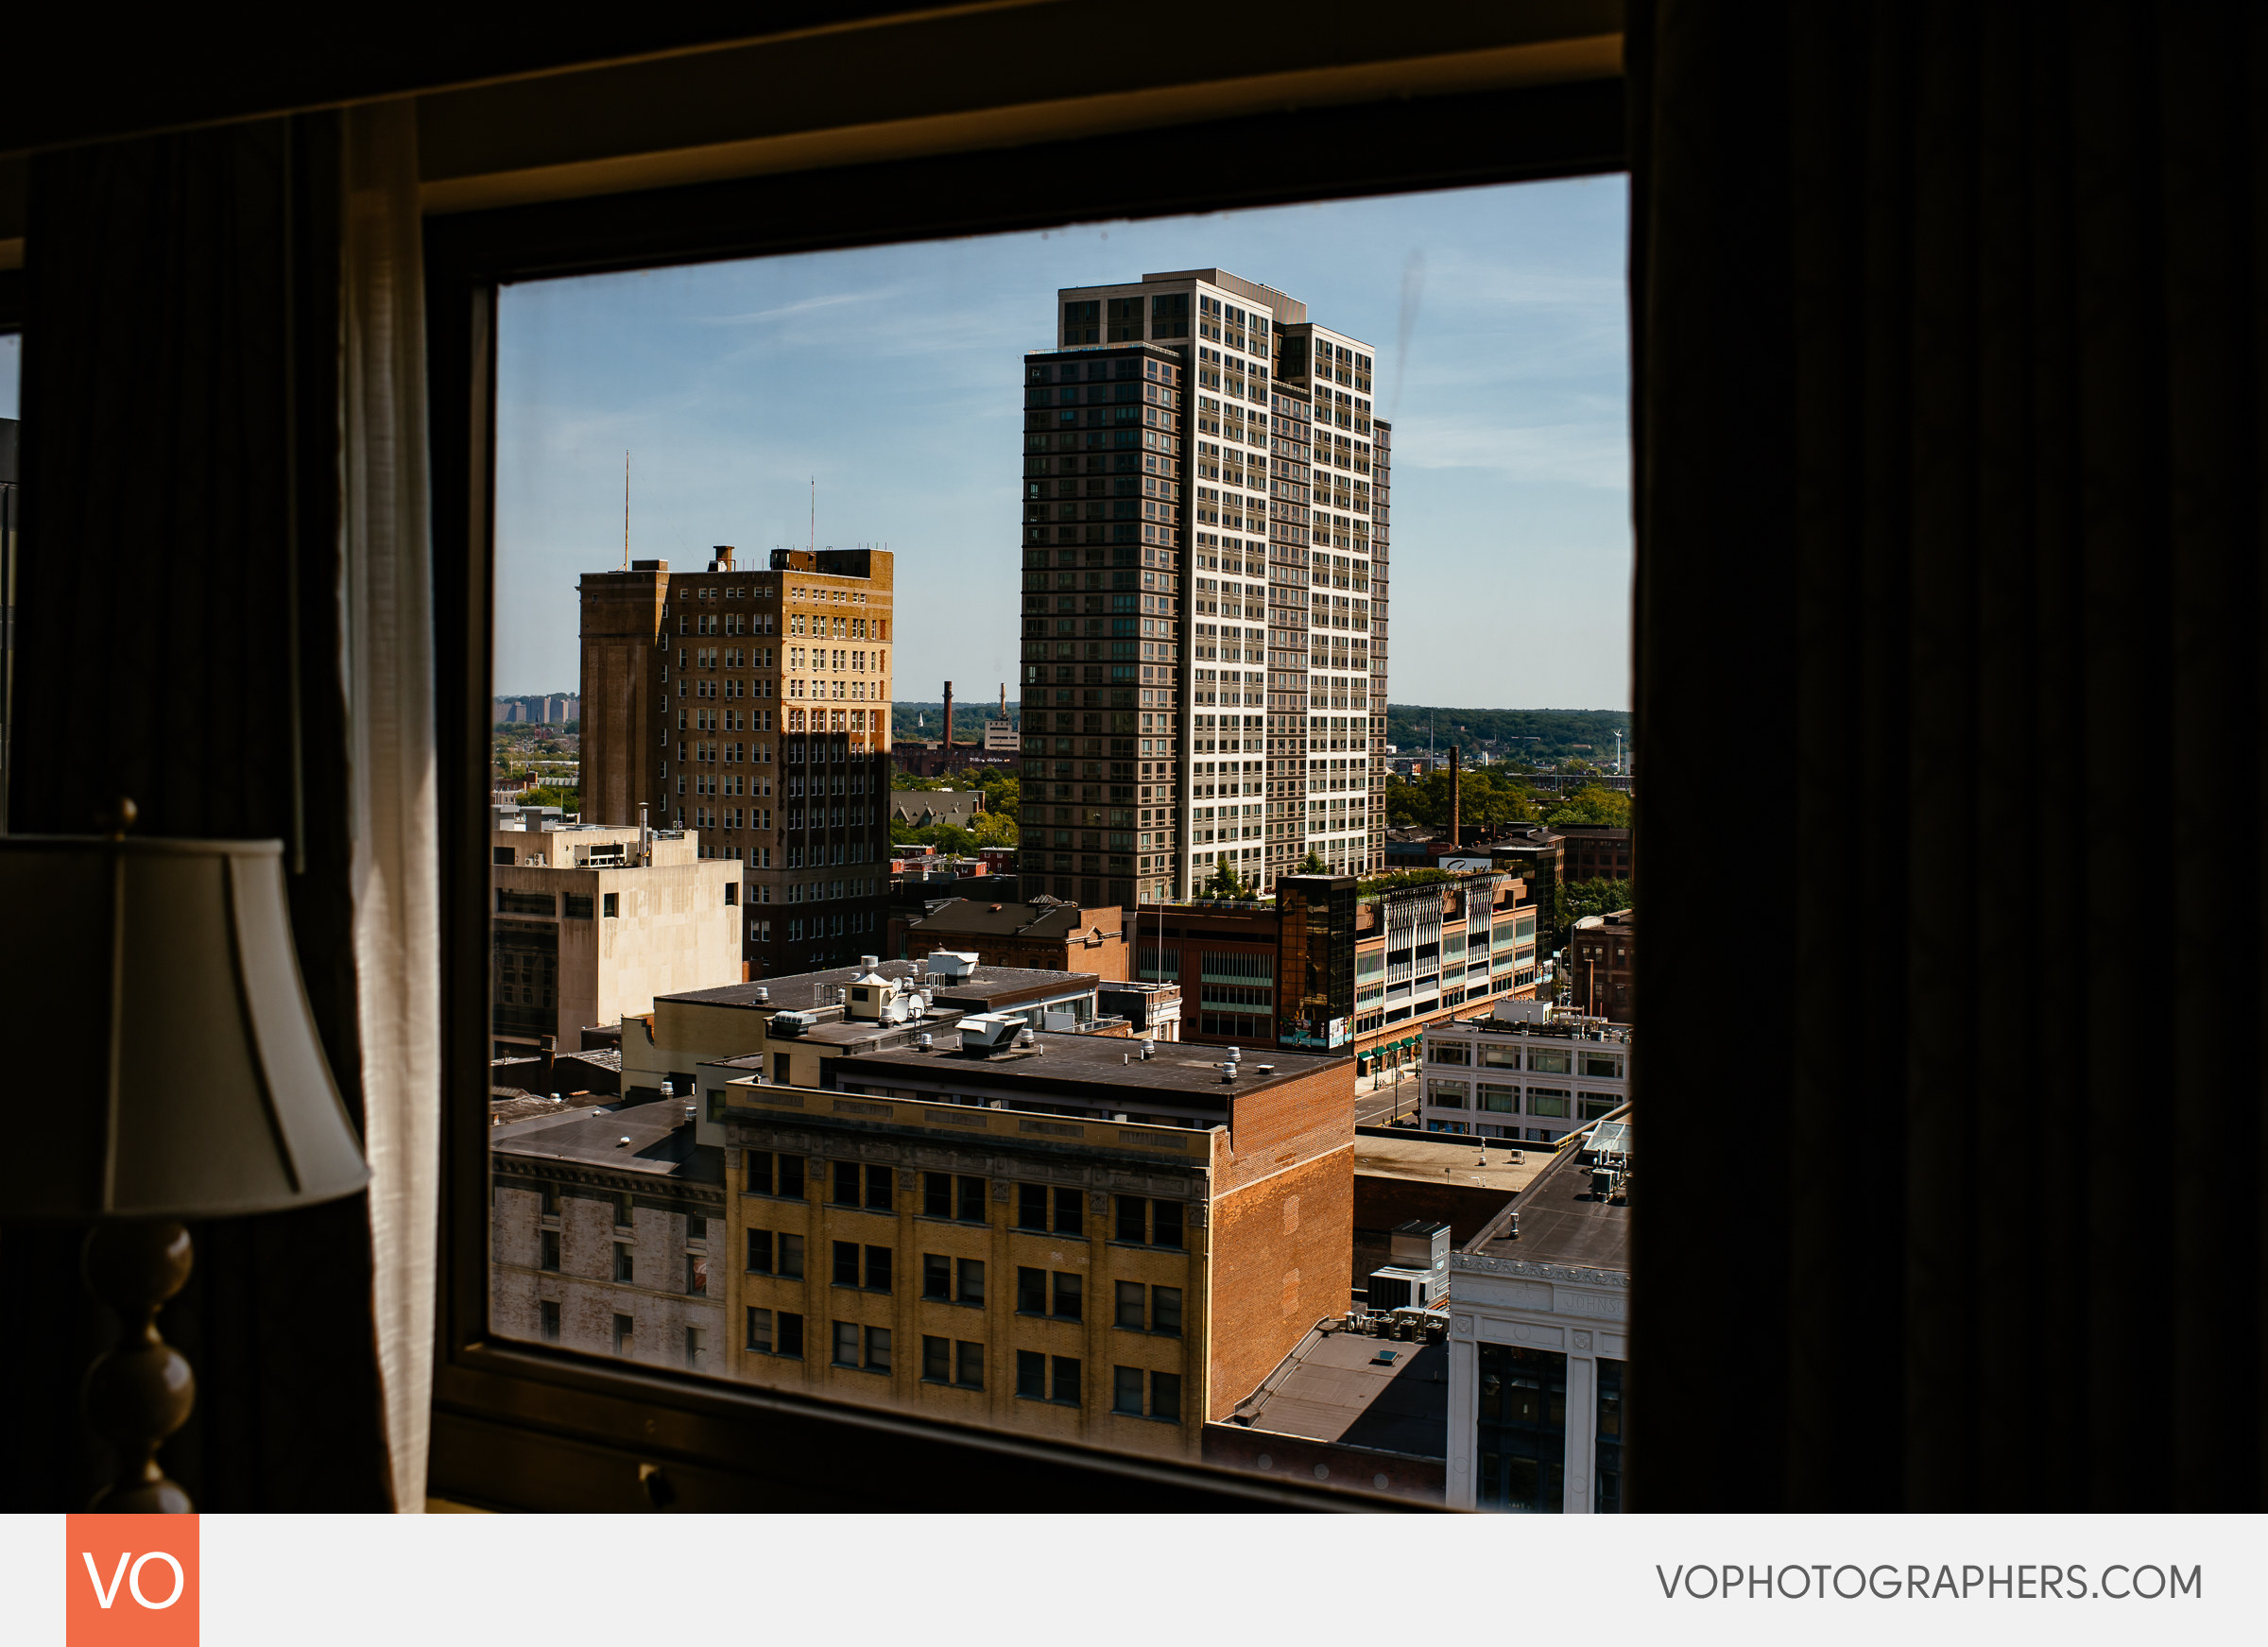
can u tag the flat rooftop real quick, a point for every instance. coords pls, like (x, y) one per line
(1430, 1158)
(1358, 1391)
(1559, 1221)
(661, 1138)
(1057, 1061)
(800, 992)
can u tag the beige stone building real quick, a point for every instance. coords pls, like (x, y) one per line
(590, 924)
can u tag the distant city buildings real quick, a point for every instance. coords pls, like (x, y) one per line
(555, 711)
(1205, 593)
(1602, 964)
(750, 706)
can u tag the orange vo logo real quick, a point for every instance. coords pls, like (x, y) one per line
(131, 1580)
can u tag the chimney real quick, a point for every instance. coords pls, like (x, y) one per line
(947, 744)
(645, 845)
(724, 557)
(550, 1045)
(1456, 837)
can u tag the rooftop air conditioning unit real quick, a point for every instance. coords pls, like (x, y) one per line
(790, 1024)
(984, 1032)
(952, 963)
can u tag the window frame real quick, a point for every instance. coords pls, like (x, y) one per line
(529, 1425)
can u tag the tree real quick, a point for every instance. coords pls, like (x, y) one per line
(995, 829)
(1225, 882)
(1487, 800)
(1575, 900)
(1593, 804)
(1312, 863)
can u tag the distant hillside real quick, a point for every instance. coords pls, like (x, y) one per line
(918, 721)
(1559, 734)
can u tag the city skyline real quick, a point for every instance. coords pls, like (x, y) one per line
(882, 373)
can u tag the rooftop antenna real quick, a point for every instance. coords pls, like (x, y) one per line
(814, 514)
(625, 509)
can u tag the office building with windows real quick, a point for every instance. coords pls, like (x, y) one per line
(1529, 1073)
(1205, 549)
(1065, 1239)
(1539, 1339)
(589, 925)
(751, 708)
(601, 1227)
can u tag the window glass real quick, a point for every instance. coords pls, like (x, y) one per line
(1175, 513)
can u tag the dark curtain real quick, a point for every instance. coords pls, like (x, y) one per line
(179, 629)
(1948, 680)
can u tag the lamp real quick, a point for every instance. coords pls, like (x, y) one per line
(177, 1074)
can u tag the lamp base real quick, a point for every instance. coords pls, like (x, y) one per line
(141, 1390)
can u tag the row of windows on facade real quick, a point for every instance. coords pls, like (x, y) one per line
(1552, 1102)
(1056, 1209)
(1542, 1060)
(960, 1362)
(947, 1280)
(1520, 1432)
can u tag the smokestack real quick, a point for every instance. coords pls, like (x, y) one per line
(948, 743)
(1456, 833)
(1003, 701)
(549, 1048)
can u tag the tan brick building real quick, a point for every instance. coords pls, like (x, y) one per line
(750, 706)
(1036, 931)
(1118, 1258)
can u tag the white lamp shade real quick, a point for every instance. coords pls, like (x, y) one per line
(167, 1063)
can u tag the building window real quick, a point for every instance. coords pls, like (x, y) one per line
(697, 1276)
(1066, 1301)
(1131, 1311)
(1166, 1310)
(1165, 1397)
(1132, 1225)
(1607, 1465)
(878, 1350)
(880, 1186)
(1165, 1224)
(697, 1227)
(1548, 1101)
(1500, 1100)
(878, 1269)
(937, 1359)
(968, 1365)
(1448, 1094)
(550, 1259)
(548, 1313)
(622, 1263)
(846, 1343)
(1521, 1441)
(696, 1342)
(846, 1183)
(1031, 1292)
(968, 1280)
(937, 1276)
(1449, 1053)
(1125, 1390)
(625, 1334)
(1065, 1385)
(1146, 1221)
(760, 1252)
(972, 1196)
(1031, 1206)
(1031, 1374)
(609, 906)
(1071, 1207)
(578, 906)
(846, 1263)
(791, 1256)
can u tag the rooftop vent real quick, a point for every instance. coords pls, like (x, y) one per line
(622, 1141)
(984, 1032)
(952, 963)
(763, 995)
(1149, 1049)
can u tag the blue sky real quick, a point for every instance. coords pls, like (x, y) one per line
(893, 374)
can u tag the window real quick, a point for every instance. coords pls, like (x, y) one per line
(1166, 1310)
(1066, 1300)
(937, 1359)
(1548, 1101)
(972, 1191)
(791, 1178)
(550, 1257)
(1607, 1465)
(1131, 1313)
(1500, 1100)
(1132, 1221)
(548, 1313)
(1450, 1052)
(1165, 1224)
(1031, 1206)
(1600, 1067)
(1031, 1292)
(968, 1365)
(622, 1261)
(578, 906)
(846, 1263)
(1070, 1209)
(1447, 1094)
(1125, 1390)
(878, 1269)
(625, 1334)
(880, 1184)
(1165, 1395)
(844, 1175)
(1551, 1060)
(608, 905)
(968, 1280)
(697, 1227)
(696, 1343)
(760, 1252)
(878, 1350)
(791, 1257)
(1031, 1374)
(937, 1276)
(936, 1194)
(1065, 1386)
(1521, 1439)
(696, 1275)
(847, 1341)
